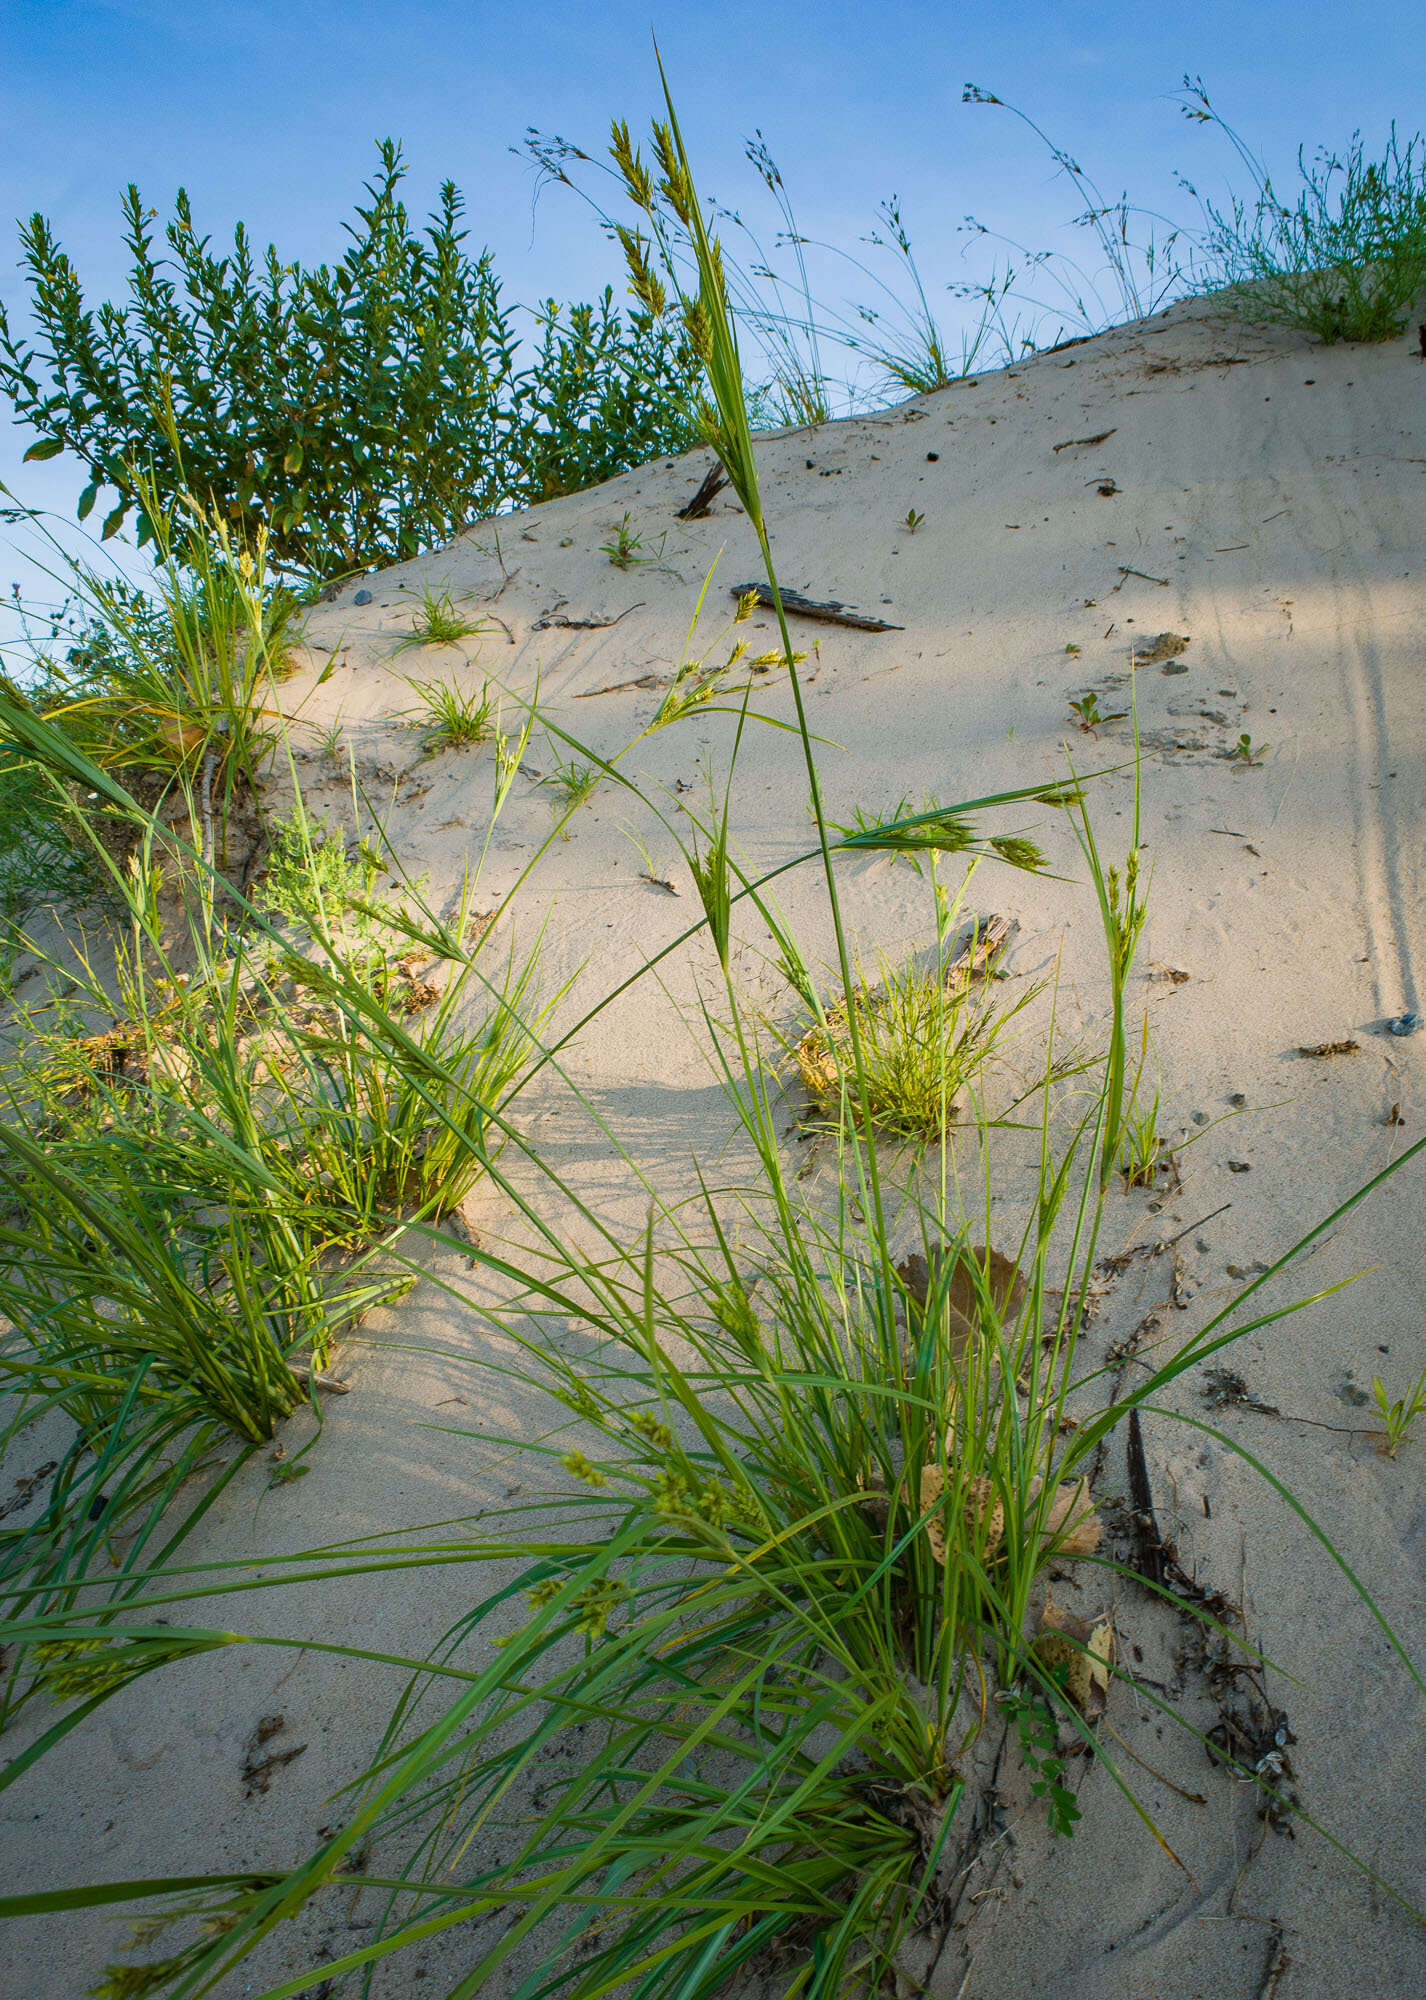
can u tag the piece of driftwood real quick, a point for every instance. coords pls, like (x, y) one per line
(623, 687)
(1098, 438)
(830, 613)
(701, 505)
(557, 618)
(320, 1380)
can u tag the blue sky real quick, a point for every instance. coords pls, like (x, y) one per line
(269, 112)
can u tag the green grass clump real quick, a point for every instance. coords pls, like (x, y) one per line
(926, 1031)
(438, 623)
(572, 781)
(1345, 261)
(42, 860)
(385, 1133)
(173, 689)
(449, 718)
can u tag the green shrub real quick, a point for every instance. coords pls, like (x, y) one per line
(357, 412)
(308, 872)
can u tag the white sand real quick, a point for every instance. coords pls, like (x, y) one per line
(1283, 515)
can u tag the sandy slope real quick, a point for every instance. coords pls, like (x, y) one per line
(1269, 505)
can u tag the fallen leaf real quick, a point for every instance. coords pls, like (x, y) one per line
(1101, 1651)
(1081, 1650)
(1150, 652)
(1000, 1277)
(420, 995)
(1072, 1523)
(983, 1512)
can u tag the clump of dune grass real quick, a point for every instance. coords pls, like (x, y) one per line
(926, 1029)
(570, 782)
(452, 718)
(174, 690)
(438, 623)
(205, 1152)
(1345, 260)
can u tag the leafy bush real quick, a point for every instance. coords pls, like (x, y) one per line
(308, 873)
(357, 412)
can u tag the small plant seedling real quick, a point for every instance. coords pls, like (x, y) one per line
(1398, 1417)
(1087, 716)
(1141, 1152)
(659, 878)
(626, 549)
(1248, 753)
(1070, 647)
(1038, 1731)
(572, 784)
(438, 623)
(450, 719)
(918, 843)
(913, 521)
(329, 744)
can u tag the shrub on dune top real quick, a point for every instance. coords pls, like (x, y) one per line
(358, 412)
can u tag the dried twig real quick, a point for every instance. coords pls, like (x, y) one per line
(623, 687)
(315, 1378)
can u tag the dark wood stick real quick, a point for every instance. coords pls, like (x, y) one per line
(1141, 1498)
(701, 505)
(830, 613)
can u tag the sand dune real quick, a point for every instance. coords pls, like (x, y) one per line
(1264, 501)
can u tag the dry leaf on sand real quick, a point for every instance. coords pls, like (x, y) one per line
(1072, 1523)
(1001, 1276)
(982, 1509)
(1082, 1650)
